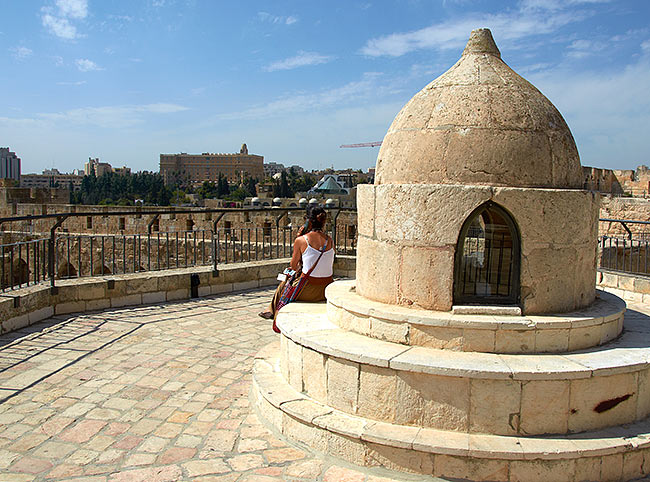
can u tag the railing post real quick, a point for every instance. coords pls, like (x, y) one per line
(51, 246)
(215, 239)
(150, 224)
(334, 230)
(277, 234)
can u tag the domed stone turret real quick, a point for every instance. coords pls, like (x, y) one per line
(480, 123)
(478, 163)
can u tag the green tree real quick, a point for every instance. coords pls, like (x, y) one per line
(250, 185)
(208, 190)
(238, 194)
(223, 189)
(285, 190)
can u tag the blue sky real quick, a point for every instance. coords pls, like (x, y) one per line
(128, 80)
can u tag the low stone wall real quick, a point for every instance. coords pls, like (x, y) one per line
(630, 287)
(29, 305)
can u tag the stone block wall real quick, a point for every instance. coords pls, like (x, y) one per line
(29, 305)
(408, 235)
(630, 287)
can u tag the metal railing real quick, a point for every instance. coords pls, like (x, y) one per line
(68, 255)
(36, 259)
(625, 253)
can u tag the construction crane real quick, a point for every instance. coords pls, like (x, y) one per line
(364, 144)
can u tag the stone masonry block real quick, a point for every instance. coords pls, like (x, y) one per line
(377, 393)
(342, 384)
(377, 270)
(70, 307)
(588, 394)
(314, 374)
(495, 406)
(129, 300)
(178, 294)
(426, 277)
(366, 210)
(93, 305)
(294, 363)
(544, 406)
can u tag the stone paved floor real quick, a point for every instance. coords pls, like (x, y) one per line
(152, 393)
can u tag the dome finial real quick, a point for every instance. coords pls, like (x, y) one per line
(481, 42)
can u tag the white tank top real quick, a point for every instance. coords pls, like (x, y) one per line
(324, 268)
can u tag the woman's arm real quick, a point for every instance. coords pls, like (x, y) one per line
(299, 246)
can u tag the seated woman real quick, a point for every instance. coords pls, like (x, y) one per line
(307, 250)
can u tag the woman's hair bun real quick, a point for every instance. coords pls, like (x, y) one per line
(317, 216)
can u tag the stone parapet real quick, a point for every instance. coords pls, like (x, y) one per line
(630, 287)
(26, 306)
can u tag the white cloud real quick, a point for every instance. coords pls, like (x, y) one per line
(60, 27)
(58, 60)
(111, 116)
(73, 8)
(353, 92)
(533, 17)
(556, 4)
(85, 65)
(277, 19)
(21, 53)
(579, 49)
(79, 82)
(301, 60)
(645, 46)
(57, 20)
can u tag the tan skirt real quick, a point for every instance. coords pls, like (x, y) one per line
(313, 291)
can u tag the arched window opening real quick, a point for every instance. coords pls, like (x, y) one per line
(487, 261)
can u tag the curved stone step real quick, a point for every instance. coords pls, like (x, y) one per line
(464, 391)
(620, 453)
(495, 333)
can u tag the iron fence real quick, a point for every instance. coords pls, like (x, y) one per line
(71, 255)
(625, 253)
(35, 259)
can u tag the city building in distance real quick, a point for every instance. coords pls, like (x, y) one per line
(273, 168)
(101, 168)
(197, 168)
(9, 164)
(52, 178)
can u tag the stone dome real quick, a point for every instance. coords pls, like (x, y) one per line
(480, 123)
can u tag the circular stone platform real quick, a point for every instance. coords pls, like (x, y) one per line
(492, 333)
(594, 455)
(464, 391)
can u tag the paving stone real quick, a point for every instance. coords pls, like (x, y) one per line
(205, 467)
(342, 474)
(83, 431)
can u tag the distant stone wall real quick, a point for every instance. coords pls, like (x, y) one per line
(637, 209)
(137, 220)
(634, 182)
